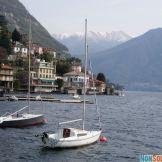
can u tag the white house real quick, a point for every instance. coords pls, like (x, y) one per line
(76, 68)
(24, 50)
(75, 79)
(16, 49)
(20, 49)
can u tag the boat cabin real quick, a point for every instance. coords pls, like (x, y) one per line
(71, 132)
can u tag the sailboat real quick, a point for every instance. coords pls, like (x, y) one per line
(19, 119)
(72, 137)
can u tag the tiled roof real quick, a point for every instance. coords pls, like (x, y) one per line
(74, 73)
(5, 66)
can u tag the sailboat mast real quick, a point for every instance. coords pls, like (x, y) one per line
(85, 74)
(29, 51)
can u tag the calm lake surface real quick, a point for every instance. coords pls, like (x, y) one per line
(132, 124)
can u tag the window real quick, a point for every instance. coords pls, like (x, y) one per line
(66, 133)
(81, 134)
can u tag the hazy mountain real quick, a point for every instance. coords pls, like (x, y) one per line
(97, 41)
(136, 63)
(18, 17)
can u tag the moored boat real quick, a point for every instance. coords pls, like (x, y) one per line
(22, 120)
(70, 137)
(76, 96)
(73, 137)
(19, 118)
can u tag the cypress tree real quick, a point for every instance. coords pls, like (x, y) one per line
(101, 77)
(5, 36)
(16, 36)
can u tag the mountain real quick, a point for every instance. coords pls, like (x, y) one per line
(18, 16)
(97, 41)
(136, 63)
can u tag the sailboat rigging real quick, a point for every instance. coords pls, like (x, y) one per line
(85, 74)
(73, 137)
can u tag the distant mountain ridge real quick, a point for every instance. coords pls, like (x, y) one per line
(97, 41)
(17, 16)
(136, 63)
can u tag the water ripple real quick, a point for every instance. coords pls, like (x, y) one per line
(132, 125)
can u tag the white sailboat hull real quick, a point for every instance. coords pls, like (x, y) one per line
(21, 121)
(53, 142)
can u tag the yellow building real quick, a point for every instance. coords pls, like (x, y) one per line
(43, 76)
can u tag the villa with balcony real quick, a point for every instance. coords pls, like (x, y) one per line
(74, 81)
(43, 76)
(6, 77)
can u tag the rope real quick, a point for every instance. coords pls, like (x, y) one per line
(95, 96)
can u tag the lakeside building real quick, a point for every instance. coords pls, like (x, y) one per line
(74, 80)
(20, 49)
(36, 49)
(6, 77)
(98, 86)
(43, 76)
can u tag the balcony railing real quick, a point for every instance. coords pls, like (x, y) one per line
(6, 79)
(6, 73)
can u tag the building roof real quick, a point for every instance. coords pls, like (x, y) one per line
(74, 73)
(20, 46)
(97, 81)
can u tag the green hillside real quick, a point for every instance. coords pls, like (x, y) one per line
(18, 16)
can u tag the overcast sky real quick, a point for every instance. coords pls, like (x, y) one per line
(67, 16)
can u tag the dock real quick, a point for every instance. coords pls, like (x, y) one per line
(47, 99)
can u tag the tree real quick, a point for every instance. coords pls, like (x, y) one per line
(3, 53)
(62, 68)
(60, 83)
(101, 77)
(48, 57)
(19, 62)
(74, 60)
(22, 77)
(16, 36)
(16, 84)
(23, 64)
(5, 35)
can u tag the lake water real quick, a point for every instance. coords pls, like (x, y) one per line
(132, 124)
